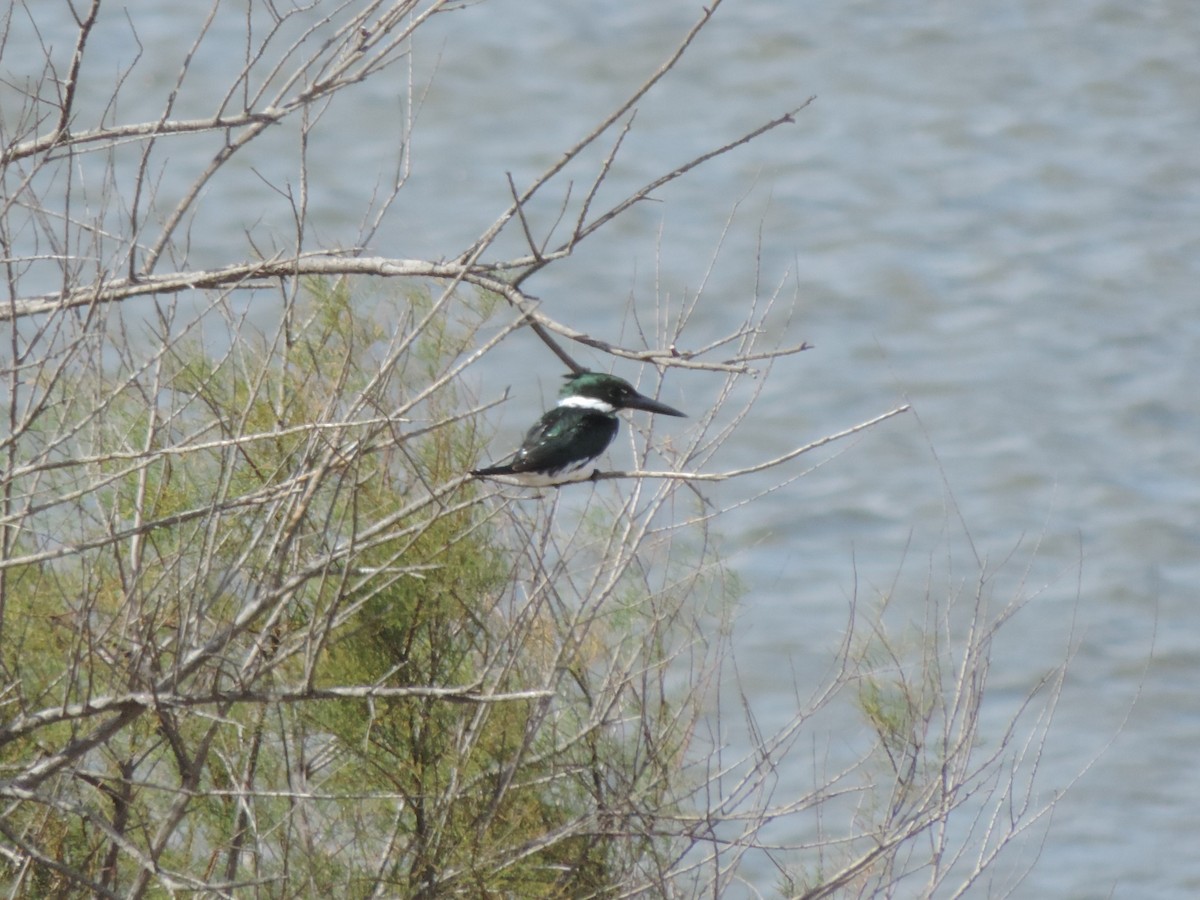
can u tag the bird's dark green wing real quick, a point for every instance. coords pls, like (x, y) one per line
(564, 438)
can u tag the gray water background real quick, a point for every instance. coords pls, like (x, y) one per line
(992, 210)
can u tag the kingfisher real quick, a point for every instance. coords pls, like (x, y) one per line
(565, 439)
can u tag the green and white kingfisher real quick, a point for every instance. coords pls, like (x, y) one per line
(565, 439)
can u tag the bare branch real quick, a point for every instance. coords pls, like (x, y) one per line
(759, 467)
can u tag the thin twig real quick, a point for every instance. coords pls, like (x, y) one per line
(759, 467)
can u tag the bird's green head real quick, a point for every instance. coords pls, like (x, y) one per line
(608, 393)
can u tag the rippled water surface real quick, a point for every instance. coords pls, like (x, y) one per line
(991, 210)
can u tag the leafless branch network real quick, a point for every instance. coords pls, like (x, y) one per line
(260, 632)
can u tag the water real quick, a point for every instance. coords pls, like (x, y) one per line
(989, 211)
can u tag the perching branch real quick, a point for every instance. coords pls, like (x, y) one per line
(759, 467)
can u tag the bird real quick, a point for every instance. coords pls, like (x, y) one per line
(569, 436)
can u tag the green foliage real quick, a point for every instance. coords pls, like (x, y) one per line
(200, 484)
(189, 503)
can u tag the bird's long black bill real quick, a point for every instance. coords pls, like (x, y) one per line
(637, 401)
